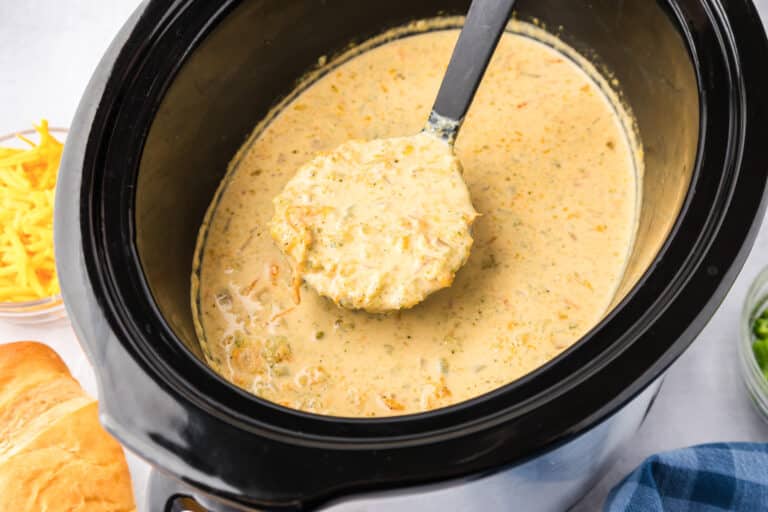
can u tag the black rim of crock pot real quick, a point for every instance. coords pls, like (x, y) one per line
(590, 381)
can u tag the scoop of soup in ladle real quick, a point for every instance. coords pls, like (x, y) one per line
(379, 225)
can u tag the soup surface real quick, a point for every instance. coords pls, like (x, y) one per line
(551, 171)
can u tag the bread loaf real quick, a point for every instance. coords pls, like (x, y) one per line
(54, 454)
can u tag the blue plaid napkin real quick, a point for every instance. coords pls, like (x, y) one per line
(705, 478)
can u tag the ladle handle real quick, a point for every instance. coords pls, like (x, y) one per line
(482, 30)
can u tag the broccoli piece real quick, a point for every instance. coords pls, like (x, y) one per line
(760, 328)
(760, 349)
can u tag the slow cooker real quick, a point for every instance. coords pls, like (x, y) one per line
(178, 92)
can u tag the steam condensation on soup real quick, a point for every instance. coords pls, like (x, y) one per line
(551, 169)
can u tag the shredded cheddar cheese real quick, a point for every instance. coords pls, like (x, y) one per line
(27, 182)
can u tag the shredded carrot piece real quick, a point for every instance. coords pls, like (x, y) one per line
(27, 182)
(282, 313)
(391, 402)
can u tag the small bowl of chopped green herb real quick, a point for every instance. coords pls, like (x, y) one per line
(753, 346)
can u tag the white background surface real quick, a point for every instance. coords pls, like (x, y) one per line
(48, 50)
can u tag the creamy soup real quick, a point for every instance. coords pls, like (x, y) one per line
(551, 171)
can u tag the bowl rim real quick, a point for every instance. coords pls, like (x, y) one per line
(31, 131)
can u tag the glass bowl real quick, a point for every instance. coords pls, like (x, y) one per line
(38, 311)
(755, 303)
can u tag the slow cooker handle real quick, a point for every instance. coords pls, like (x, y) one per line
(168, 495)
(183, 504)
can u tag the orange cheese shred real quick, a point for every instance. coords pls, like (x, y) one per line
(27, 182)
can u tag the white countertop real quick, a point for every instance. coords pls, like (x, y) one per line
(48, 50)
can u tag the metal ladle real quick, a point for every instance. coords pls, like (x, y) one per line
(374, 272)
